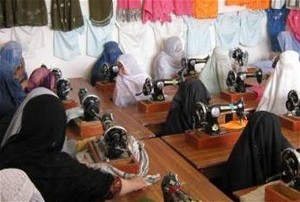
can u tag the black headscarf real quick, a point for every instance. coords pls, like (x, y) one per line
(256, 155)
(37, 151)
(182, 114)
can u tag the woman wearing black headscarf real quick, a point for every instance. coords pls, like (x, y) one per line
(182, 115)
(36, 150)
(256, 155)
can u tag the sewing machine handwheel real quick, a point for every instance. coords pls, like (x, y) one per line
(201, 111)
(290, 164)
(148, 87)
(230, 81)
(293, 97)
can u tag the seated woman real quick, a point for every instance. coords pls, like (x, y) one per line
(41, 77)
(12, 73)
(130, 81)
(36, 150)
(109, 55)
(215, 71)
(284, 78)
(182, 115)
(256, 155)
(16, 186)
(167, 63)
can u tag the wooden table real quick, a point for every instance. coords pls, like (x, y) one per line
(164, 159)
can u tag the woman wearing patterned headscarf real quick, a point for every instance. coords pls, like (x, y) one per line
(130, 81)
(168, 62)
(109, 56)
(36, 150)
(11, 74)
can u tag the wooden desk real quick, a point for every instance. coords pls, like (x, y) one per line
(164, 159)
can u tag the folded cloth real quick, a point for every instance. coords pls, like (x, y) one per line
(235, 124)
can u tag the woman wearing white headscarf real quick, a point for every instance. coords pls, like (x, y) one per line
(130, 80)
(168, 62)
(214, 73)
(284, 78)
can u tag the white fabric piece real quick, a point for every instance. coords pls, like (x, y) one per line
(200, 36)
(251, 23)
(136, 38)
(127, 85)
(97, 36)
(228, 31)
(16, 186)
(167, 63)
(284, 78)
(31, 39)
(214, 73)
(277, 4)
(15, 124)
(66, 44)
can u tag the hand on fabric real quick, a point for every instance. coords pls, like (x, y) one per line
(133, 184)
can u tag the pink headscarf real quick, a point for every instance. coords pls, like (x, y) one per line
(42, 77)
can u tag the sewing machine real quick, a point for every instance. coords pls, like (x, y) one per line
(109, 73)
(207, 132)
(112, 147)
(90, 124)
(158, 100)
(63, 88)
(291, 120)
(188, 65)
(289, 188)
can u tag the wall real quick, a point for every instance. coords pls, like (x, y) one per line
(82, 64)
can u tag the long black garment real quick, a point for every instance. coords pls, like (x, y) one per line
(36, 149)
(182, 114)
(256, 155)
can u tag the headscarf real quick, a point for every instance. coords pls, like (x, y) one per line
(215, 71)
(168, 62)
(11, 53)
(36, 150)
(256, 155)
(41, 77)
(284, 78)
(128, 85)
(16, 186)
(182, 114)
(109, 55)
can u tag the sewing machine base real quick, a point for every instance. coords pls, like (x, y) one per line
(149, 106)
(202, 140)
(231, 96)
(85, 129)
(281, 192)
(105, 86)
(128, 164)
(69, 103)
(290, 122)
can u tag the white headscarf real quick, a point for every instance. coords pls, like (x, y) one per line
(168, 62)
(284, 78)
(15, 124)
(128, 85)
(16, 186)
(214, 73)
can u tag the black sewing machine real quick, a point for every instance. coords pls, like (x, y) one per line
(57, 72)
(90, 104)
(236, 80)
(208, 115)
(109, 72)
(155, 88)
(239, 56)
(188, 65)
(63, 86)
(293, 103)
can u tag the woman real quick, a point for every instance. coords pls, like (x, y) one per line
(41, 77)
(284, 78)
(109, 56)
(36, 150)
(167, 63)
(256, 155)
(215, 71)
(130, 81)
(182, 115)
(12, 73)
